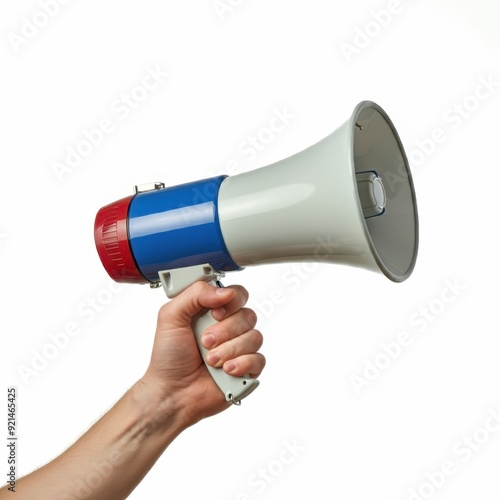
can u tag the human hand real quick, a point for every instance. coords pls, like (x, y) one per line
(176, 370)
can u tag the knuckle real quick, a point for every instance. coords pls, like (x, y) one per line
(257, 338)
(199, 287)
(242, 292)
(222, 333)
(228, 351)
(164, 312)
(262, 362)
(250, 316)
(257, 365)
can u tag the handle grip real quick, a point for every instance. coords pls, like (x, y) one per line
(174, 282)
(234, 388)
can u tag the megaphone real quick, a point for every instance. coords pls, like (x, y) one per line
(349, 199)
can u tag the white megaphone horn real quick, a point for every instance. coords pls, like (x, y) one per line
(349, 199)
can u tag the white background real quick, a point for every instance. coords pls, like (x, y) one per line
(228, 71)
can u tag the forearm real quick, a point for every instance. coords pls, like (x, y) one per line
(113, 456)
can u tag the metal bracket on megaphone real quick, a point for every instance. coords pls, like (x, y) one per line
(174, 282)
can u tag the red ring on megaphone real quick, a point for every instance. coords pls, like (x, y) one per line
(112, 242)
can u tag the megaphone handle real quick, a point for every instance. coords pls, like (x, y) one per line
(234, 388)
(174, 282)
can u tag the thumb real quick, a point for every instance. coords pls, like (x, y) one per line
(193, 300)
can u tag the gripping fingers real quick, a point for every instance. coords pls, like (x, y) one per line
(247, 343)
(230, 328)
(251, 364)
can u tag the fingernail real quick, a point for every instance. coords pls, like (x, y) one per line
(213, 358)
(222, 291)
(208, 341)
(229, 367)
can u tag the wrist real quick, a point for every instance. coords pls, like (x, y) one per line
(161, 409)
(185, 403)
(168, 404)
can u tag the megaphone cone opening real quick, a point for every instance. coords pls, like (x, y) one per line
(376, 146)
(308, 207)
